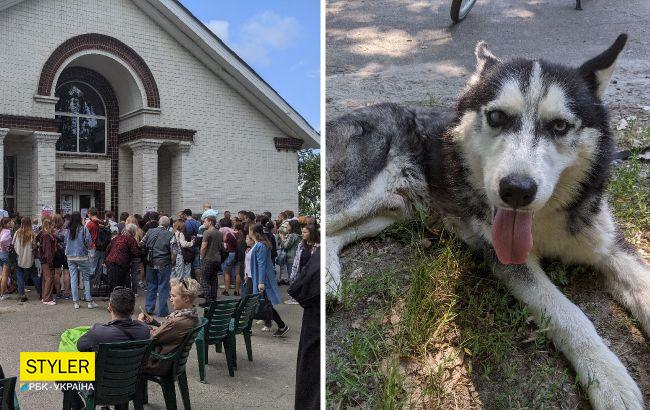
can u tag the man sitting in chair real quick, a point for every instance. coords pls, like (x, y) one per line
(166, 337)
(121, 328)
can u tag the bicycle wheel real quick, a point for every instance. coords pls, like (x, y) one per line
(460, 8)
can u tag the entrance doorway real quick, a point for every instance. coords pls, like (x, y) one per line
(79, 201)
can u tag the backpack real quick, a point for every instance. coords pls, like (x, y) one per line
(189, 254)
(37, 251)
(103, 238)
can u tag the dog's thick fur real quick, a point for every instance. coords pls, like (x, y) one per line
(385, 161)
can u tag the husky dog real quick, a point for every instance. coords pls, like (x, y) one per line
(517, 171)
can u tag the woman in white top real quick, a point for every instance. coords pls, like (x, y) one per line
(180, 269)
(247, 265)
(23, 242)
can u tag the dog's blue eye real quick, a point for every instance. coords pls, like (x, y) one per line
(496, 118)
(560, 127)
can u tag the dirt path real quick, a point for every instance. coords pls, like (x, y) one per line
(388, 50)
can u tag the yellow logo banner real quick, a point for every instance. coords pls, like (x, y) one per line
(57, 366)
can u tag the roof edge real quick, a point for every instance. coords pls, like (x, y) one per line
(237, 68)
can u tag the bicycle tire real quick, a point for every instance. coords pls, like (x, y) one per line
(460, 10)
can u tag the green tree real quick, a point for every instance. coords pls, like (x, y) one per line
(309, 182)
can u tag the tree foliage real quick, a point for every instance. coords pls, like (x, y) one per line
(309, 182)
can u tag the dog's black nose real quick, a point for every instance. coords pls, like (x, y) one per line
(517, 190)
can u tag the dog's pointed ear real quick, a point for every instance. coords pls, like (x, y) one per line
(598, 71)
(484, 57)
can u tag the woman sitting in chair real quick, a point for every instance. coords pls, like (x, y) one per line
(166, 337)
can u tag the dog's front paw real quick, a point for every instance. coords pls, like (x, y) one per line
(333, 276)
(612, 388)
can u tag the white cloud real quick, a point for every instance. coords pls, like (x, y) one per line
(220, 28)
(253, 53)
(264, 32)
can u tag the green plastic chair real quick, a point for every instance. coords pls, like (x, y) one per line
(8, 399)
(219, 318)
(177, 373)
(243, 323)
(118, 367)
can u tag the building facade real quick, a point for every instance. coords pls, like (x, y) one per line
(135, 105)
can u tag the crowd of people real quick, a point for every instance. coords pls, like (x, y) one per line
(177, 260)
(66, 253)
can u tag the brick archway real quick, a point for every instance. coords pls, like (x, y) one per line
(104, 43)
(99, 83)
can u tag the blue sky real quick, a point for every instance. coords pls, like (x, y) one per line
(280, 39)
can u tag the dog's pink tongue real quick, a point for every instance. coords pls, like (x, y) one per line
(512, 236)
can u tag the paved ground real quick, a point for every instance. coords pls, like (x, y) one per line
(267, 382)
(391, 50)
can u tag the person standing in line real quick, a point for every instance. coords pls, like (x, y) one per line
(46, 250)
(6, 227)
(122, 223)
(267, 225)
(308, 245)
(263, 275)
(110, 220)
(157, 242)
(208, 211)
(231, 280)
(192, 232)
(119, 256)
(23, 242)
(238, 267)
(78, 241)
(248, 279)
(96, 256)
(181, 269)
(137, 267)
(60, 263)
(211, 247)
(151, 218)
(310, 240)
(289, 245)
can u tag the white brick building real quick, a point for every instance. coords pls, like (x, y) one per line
(135, 105)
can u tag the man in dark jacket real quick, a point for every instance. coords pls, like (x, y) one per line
(121, 328)
(157, 241)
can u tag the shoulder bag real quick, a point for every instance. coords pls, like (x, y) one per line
(264, 308)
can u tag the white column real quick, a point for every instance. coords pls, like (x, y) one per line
(145, 174)
(3, 134)
(125, 183)
(180, 176)
(44, 170)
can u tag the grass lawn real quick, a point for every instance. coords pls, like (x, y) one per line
(423, 324)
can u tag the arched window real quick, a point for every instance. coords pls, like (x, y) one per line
(83, 119)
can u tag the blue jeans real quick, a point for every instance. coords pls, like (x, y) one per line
(158, 289)
(84, 268)
(21, 275)
(229, 264)
(96, 260)
(4, 258)
(135, 277)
